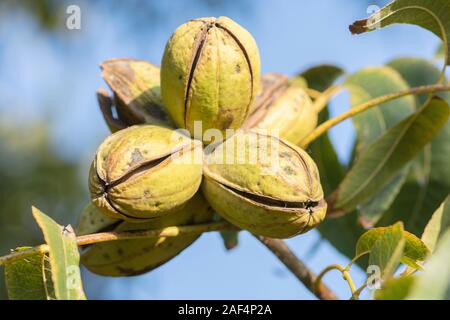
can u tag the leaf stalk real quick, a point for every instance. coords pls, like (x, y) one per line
(325, 126)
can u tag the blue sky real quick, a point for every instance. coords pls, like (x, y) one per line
(53, 78)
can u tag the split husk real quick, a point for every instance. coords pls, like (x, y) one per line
(210, 72)
(144, 172)
(264, 184)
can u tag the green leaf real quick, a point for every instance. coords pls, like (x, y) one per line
(434, 283)
(418, 72)
(64, 257)
(368, 84)
(426, 187)
(230, 239)
(428, 182)
(382, 160)
(411, 264)
(322, 76)
(373, 210)
(364, 85)
(387, 250)
(395, 288)
(415, 249)
(438, 225)
(28, 279)
(433, 15)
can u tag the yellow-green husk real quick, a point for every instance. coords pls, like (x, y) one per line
(278, 196)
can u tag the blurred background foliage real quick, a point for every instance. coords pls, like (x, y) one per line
(50, 125)
(44, 11)
(33, 174)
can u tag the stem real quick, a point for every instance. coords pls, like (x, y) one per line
(164, 232)
(321, 129)
(358, 291)
(344, 272)
(323, 99)
(23, 254)
(350, 264)
(297, 267)
(349, 280)
(113, 236)
(314, 94)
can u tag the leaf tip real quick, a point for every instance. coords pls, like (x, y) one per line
(35, 212)
(365, 223)
(400, 225)
(359, 26)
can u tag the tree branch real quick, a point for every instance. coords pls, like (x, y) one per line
(297, 267)
(278, 247)
(113, 236)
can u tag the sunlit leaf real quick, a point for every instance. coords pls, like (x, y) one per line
(418, 72)
(428, 182)
(28, 279)
(415, 249)
(64, 258)
(370, 83)
(382, 160)
(321, 77)
(433, 15)
(438, 225)
(434, 283)
(387, 250)
(395, 288)
(411, 264)
(365, 85)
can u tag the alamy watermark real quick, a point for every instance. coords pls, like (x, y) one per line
(73, 20)
(374, 21)
(374, 277)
